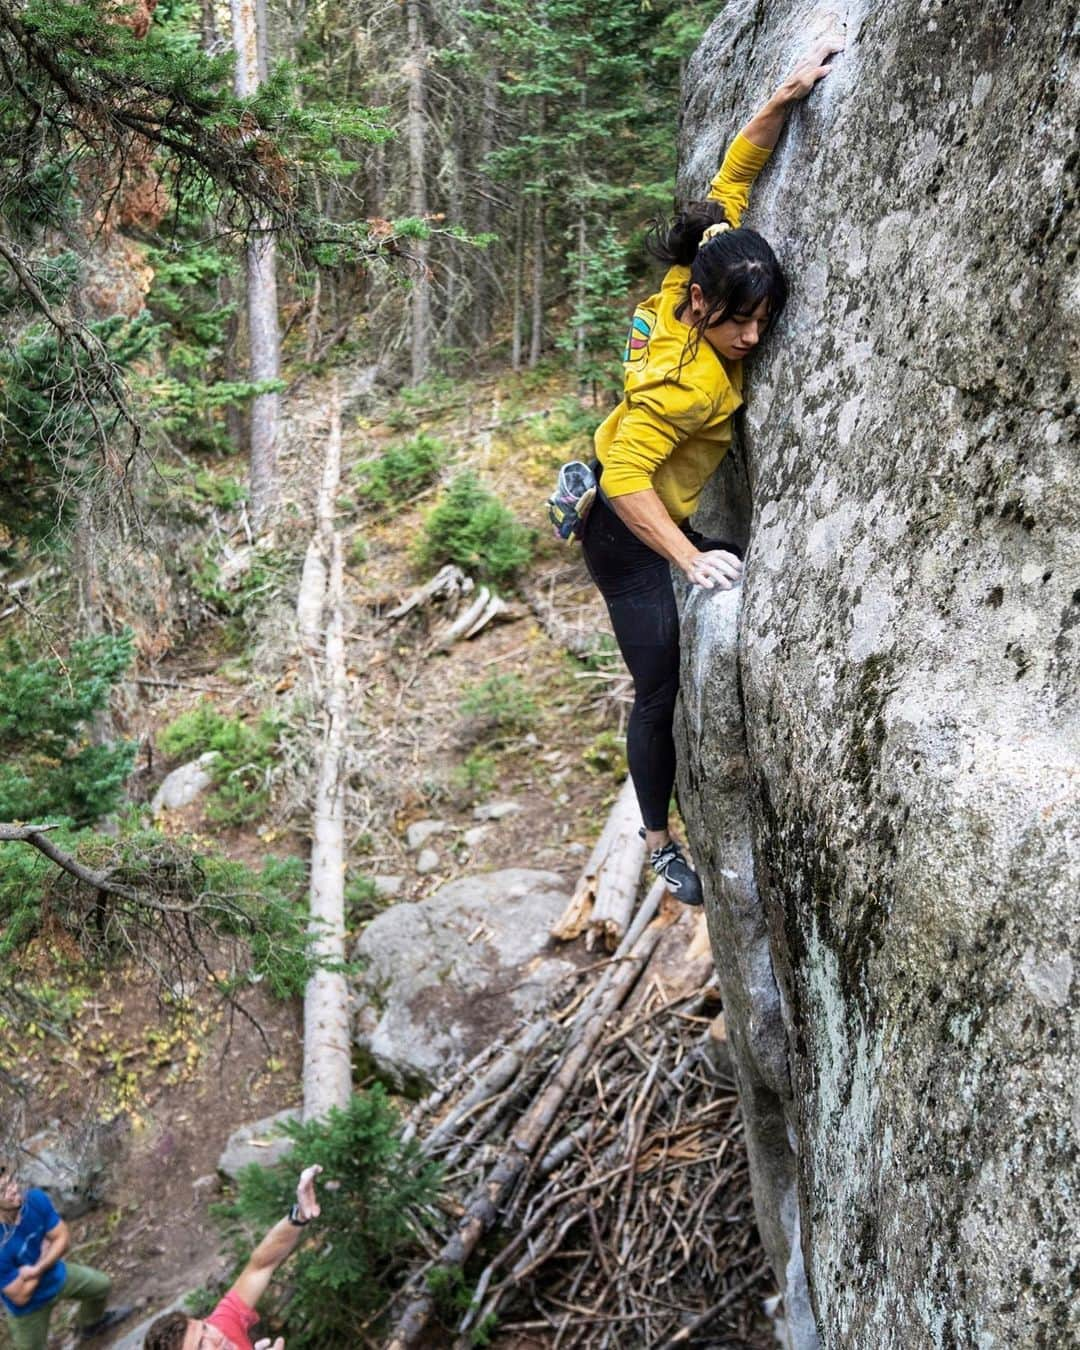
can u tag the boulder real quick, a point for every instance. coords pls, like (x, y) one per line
(181, 787)
(388, 887)
(420, 831)
(427, 862)
(878, 753)
(69, 1166)
(447, 975)
(261, 1142)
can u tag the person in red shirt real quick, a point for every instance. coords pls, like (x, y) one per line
(229, 1326)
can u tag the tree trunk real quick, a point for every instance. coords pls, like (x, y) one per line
(264, 339)
(582, 273)
(536, 339)
(518, 302)
(483, 291)
(421, 294)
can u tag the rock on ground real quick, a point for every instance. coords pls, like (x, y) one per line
(261, 1142)
(447, 975)
(496, 810)
(892, 849)
(69, 1167)
(420, 831)
(182, 786)
(427, 861)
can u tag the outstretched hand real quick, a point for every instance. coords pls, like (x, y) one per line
(267, 1344)
(810, 69)
(306, 1202)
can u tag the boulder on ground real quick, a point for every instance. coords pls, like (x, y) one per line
(261, 1142)
(69, 1166)
(447, 975)
(182, 786)
(427, 862)
(420, 831)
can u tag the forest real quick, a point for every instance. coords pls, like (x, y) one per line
(303, 306)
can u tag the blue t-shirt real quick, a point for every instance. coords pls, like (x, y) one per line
(23, 1247)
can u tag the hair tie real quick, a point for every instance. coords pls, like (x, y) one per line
(713, 231)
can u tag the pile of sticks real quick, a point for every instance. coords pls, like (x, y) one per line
(604, 1144)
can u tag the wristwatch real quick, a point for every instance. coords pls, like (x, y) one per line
(295, 1219)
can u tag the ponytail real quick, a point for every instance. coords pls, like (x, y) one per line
(676, 242)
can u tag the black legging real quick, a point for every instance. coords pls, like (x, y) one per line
(636, 584)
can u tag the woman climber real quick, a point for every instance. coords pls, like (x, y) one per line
(682, 386)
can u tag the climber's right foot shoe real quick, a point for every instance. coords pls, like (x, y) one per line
(679, 877)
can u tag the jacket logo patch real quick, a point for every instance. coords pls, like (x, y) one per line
(638, 338)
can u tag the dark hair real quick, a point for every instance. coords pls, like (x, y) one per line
(168, 1332)
(736, 269)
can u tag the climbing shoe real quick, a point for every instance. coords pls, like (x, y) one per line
(680, 878)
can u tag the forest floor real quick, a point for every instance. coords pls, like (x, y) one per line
(177, 1081)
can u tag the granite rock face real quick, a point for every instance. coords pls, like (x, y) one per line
(890, 834)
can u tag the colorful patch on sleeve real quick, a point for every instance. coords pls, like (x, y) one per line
(638, 338)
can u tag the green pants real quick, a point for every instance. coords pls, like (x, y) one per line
(89, 1286)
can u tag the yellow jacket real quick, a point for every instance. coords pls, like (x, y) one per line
(671, 431)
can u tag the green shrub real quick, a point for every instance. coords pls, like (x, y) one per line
(401, 471)
(472, 528)
(476, 776)
(361, 899)
(358, 552)
(369, 1220)
(246, 754)
(48, 767)
(571, 422)
(272, 917)
(501, 703)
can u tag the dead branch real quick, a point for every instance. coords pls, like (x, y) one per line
(36, 837)
(616, 1172)
(449, 582)
(481, 1213)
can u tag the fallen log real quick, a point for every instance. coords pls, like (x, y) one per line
(607, 879)
(502, 1072)
(311, 597)
(327, 1032)
(485, 608)
(619, 876)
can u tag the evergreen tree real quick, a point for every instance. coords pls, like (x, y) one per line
(49, 767)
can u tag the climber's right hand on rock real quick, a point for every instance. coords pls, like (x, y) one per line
(717, 568)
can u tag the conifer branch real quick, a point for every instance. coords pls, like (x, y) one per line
(71, 330)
